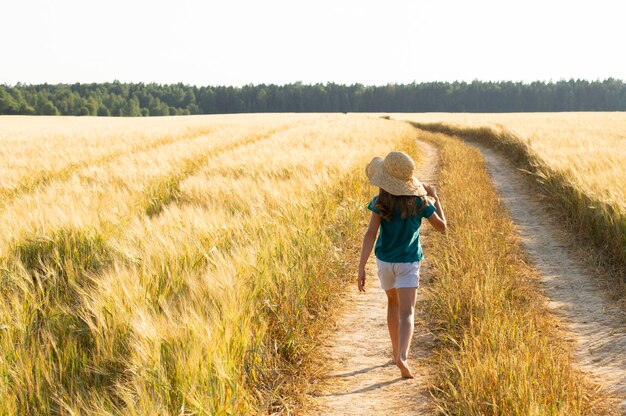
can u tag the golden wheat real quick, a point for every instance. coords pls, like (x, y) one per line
(498, 350)
(588, 148)
(179, 269)
(577, 160)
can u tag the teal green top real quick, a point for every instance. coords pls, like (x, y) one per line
(399, 239)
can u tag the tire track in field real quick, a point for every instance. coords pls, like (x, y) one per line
(166, 189)
(147, 201)
(188, 166)
(359, 376)
(30, 183)
(596, 326)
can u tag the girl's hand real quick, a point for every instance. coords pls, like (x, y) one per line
(361, 281)
(430, 190)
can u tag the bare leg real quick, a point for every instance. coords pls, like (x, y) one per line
(393, 322)
(406, 308)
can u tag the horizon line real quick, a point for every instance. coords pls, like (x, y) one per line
(299, 82)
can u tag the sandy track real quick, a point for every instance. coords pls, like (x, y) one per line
(595, 325)
(361, 380)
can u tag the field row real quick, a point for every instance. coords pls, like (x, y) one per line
(38, 145)
(124, 185)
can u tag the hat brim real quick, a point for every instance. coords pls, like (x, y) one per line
(395, 186)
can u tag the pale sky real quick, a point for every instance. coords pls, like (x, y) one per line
(277, 41)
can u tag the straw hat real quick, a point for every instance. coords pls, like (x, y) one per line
(394, 174)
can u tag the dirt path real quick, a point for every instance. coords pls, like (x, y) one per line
(361, 380)
(596, 326)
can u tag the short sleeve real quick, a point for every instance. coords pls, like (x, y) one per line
(428, 210)
(372, 205)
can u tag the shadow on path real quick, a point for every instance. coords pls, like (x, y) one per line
(365, 389)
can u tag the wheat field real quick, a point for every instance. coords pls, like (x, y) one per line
(185, 265)
(588, 148)
(174, 265)
(578, 161)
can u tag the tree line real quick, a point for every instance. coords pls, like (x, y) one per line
(139, 99)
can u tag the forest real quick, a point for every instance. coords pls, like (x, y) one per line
(151, 99)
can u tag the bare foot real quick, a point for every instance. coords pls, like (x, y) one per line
(404, 369)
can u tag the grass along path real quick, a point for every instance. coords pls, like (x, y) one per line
(358, 376)
(498, 351)
(595, 325)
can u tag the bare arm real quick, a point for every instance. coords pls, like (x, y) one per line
(438, 219)
(368, 243)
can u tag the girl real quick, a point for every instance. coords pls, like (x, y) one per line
(398, 210)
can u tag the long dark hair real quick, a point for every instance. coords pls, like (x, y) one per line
(407, 205)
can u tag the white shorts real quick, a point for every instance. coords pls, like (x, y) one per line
(397, 275)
